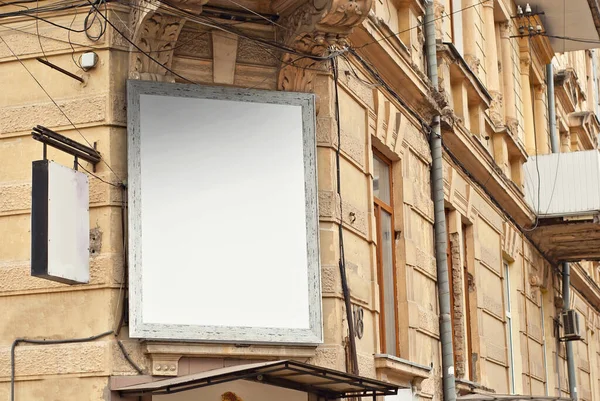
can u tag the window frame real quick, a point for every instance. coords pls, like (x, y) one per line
(467, 306)
(380, 205)
(509, 327)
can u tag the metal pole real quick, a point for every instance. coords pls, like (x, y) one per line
(566, 289)
(566, 268)
(552, 108)
(437, 187)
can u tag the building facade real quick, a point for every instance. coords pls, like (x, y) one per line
(374, 107)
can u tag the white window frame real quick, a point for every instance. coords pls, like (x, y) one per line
(509, 335)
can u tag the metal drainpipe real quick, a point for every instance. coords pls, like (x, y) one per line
(566, 268)
(552, 108)
(566, 287)
(437, 188)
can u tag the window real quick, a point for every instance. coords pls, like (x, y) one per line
(456, 25)
(386, 272)
(509, 337)
(462, 329)
(465, 276)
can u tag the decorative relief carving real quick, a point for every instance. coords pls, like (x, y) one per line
(473, 62)
(439, 11)
(298, 75)
(249, 52)
(196, 44)
(496, 112)
(505, 29)
(165, 365)
(513, 126)
(458, 313)
(321, 23)
(156, 34)
(525, 61)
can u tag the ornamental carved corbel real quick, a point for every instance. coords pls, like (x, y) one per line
(156, 32)
(317, 24)
(473, 62)
(496, 109)
(313, 28)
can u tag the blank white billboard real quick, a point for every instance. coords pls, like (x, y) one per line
(60, 223)
(223, 215)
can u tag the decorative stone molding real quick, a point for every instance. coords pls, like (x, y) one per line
(165, 364)
(496, 109)
(165, 356)
(458, 313)
(439, 11)
(313, 28)
(539, 91)
(525, 61)
(298, 75)
(317, 24)
(513, 126)
(400, 371)
(505, 29)
(473, 62)
(156, 33)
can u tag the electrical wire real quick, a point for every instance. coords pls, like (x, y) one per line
(119, 185)
(124, 279)
(332, 55)
(422, 24)
(76, 62)
(207, 21)
(56, 104)
(87, 25)
(37, 29)
(18, 341)
(342, 260)
(87, 46)
(572, 39)
(426, 129)
(140, 49)
(255, 13)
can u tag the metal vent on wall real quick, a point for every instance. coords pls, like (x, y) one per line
(570, 320)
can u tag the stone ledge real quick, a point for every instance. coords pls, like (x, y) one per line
(165, 356)
(464, 387)
(400, 371)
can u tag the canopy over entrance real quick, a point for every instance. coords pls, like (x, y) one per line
(327, 383)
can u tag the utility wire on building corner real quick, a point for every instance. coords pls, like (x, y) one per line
(342, 260)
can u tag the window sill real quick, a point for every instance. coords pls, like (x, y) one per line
(400, 371)
(464, 387)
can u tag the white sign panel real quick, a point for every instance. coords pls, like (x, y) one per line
(223, 215)
(60, 223)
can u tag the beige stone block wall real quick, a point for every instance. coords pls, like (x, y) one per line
(37, 308)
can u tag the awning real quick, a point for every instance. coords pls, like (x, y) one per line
(508, 397)
(292, 375)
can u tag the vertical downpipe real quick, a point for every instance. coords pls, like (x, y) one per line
(437, 184)
(566, 268)
(554, 143)
(566, 287)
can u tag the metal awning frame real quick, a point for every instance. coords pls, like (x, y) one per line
(509, 397)
(267, 374)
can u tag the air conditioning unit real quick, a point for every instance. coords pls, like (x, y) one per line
(570, 320)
